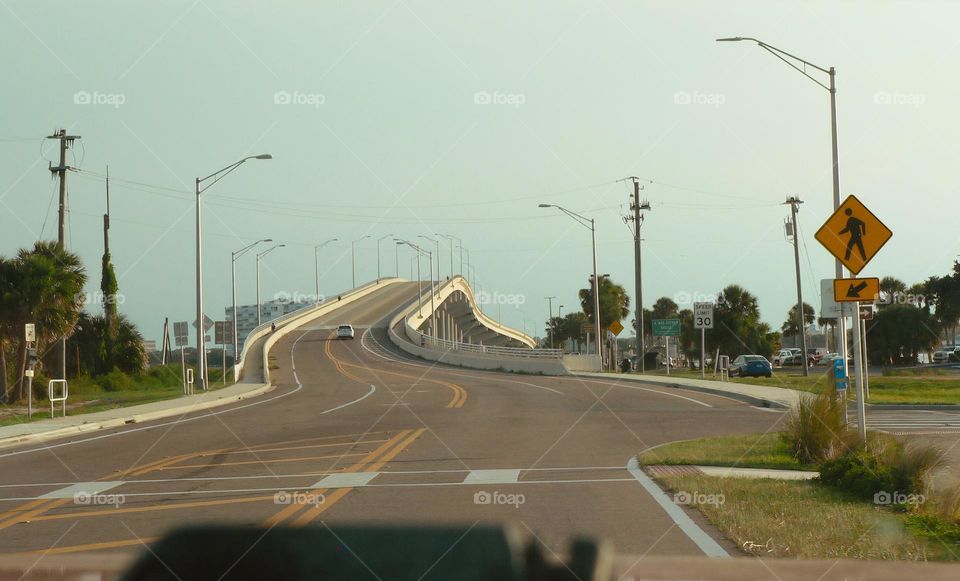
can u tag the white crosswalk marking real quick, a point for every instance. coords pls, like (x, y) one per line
(914, 421)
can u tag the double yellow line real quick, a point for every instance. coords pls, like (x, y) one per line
(459, 394)
(300, 514)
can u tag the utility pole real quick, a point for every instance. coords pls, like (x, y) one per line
(637, 218)
(66, 141)
(802, 328)
(550, 319)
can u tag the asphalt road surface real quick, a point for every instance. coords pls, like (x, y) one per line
(358, 433)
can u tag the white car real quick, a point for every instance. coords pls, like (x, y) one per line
(344, 331)
(947, 354)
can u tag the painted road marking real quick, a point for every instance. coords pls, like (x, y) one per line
(704, 541)
(492, 477)
(83, 488)
(346, 480)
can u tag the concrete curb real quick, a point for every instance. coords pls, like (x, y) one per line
(927, 407)
(132, 417)
(746, 398)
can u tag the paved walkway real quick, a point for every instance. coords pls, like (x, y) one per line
(761, 395)
(729, 472)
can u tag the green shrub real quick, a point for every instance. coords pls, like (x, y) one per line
(116, 380)
(816, 430)
(884, 465)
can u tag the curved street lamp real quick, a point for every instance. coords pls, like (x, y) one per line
(591, 224)
(201, 344)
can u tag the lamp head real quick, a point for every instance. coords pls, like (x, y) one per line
(263, 156)
(545, 205)
(731, 39)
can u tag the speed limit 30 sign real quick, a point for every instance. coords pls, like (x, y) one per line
(702, 315)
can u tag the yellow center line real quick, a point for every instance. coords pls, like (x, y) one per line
(274, 461)
(150, 508)
(92, 546)
(32, 515)
(312, 513)
(289, 511)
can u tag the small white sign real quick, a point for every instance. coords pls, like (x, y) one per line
(702, 315)
(30, 332)
(829, 308)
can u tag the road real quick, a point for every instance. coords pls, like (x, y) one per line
(357, 432)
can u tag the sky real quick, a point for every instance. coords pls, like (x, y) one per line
(412, 118)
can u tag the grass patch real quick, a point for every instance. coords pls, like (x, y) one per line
(934, 387)
(790, 519)
(749, 451)
(109, 391)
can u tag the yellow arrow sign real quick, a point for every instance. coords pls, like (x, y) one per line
(849, 290)
(853, 234)
(615, 327)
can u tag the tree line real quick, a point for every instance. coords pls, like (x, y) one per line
(44, 285)
(908, 321)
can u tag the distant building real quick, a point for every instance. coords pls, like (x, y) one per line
(149, 346)
(270, 310)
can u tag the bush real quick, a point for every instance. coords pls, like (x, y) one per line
(884, 465)
(116, 380)
(816, 430)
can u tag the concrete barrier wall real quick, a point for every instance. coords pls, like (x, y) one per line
(470, 360)
(447, 288)
(302, 316)
(582, 362)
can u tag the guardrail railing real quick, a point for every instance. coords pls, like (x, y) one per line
(513, 352)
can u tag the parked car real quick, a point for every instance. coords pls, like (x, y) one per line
(789, 356)
(751, 366)
(815, 355)
(947, 354)
(345, 331)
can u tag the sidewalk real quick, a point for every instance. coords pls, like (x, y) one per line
(759, 395)
(42, 430)
(728, 472)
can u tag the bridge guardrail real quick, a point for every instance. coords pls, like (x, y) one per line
(518, 352)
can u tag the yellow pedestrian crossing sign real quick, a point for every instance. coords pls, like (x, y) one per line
(615, 327)
(853, 234)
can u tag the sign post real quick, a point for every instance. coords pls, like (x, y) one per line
(180, 338)
(30, 336)
(666, 328)
(854, 235)
(703, 320)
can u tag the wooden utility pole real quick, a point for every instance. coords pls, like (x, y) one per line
(66, 141)
(794, 201)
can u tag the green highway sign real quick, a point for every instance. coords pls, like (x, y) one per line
(666, 327)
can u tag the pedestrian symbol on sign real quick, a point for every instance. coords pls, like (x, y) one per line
(856, 229)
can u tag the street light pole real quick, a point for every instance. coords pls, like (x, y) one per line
(316, 264)
(550, 318)
(437, 244)
(838, 266)
(353, 258)
(591, 224)
(201, 343)
(379, 240)
(233, 281)
(259, 256)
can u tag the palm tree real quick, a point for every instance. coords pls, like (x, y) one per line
(44, 286)
(614, 302)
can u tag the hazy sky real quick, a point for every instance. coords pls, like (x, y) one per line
(376, 115)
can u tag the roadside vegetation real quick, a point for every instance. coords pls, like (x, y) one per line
(879, 496)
